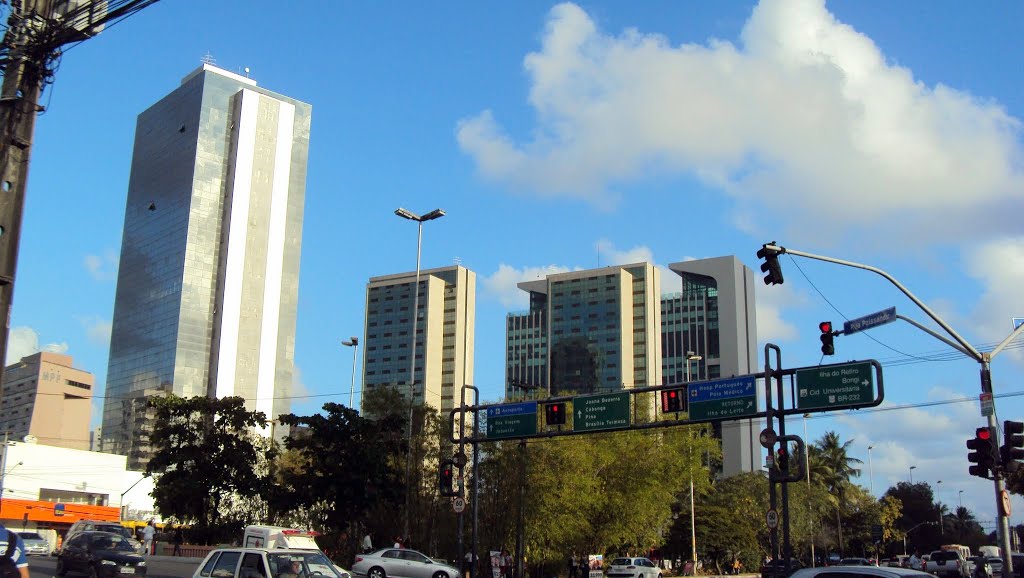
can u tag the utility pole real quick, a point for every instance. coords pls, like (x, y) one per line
(37, 30)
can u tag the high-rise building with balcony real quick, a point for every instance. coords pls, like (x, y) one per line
(446, 323)
(207, 287)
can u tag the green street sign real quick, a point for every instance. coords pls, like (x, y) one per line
(600, 412)
(514, 420)
(835, 385)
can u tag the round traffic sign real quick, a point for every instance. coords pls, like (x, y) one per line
(772, 519)
(1005, 499)
(768, 437)
(459, 505)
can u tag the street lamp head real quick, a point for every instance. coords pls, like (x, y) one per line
(435, 214)
(913, 467)
(694, 358)
(407, 214)
(351, 342)
(871, 448)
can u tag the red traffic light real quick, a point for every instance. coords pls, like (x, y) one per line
(554, 409)
(825, 326)
(983, 433)
(673, 394)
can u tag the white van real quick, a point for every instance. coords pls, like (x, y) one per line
(279, 537)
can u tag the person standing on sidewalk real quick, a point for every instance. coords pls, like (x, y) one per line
(148, 533)
(177, 538)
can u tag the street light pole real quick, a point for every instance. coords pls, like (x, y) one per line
(871, 472)
(352, 342)
(960, 497)
(690, 356)
(420, 219)
(912, 468)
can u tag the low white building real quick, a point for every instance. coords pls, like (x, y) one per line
(49, 487)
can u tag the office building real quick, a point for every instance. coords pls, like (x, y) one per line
(715, 317)
(609, 329)
(207, 286)
(444, 335)
(586, 332)
(45, 398)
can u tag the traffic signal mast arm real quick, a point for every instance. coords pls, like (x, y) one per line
(984, 359)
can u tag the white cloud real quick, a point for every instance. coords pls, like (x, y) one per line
(771, 302)
(24, 341)
(806, 111)
(612, 256)
(102, 267)
(97, 329)
(999, 265)
(503, 283)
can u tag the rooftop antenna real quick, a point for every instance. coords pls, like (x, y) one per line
(247, 72)
(458, 260)
(208, 59)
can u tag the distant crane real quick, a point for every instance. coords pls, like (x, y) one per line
(36, 34)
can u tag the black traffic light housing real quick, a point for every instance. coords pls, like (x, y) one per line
(983, 453)
(787, 467)
(1012, 451)
(447, 478)
(828, 346)
(554, 413)
(771, 265)
(673, 400)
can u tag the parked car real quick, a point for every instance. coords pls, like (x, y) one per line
(35, 545)
(860, 572)
(401, 563)
(267, 563)
(630, 567)
(103, 526)
(856, 562)
(100, 554)
(777, 568)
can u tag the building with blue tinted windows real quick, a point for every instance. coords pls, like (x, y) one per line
(207, 287)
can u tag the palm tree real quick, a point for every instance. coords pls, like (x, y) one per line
(834, 467)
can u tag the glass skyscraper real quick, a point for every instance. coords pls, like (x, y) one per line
(207, 287)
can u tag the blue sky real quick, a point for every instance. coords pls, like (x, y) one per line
(564, 136)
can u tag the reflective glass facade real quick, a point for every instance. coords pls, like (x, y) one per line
(208, 280)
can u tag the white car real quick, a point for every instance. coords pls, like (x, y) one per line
(267, 563)
(860, 572)
(401, 563)
(35, 545)
(633, 568)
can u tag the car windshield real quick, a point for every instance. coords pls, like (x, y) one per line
(937, 556)
(301, 565)
(111, 542)
(30, 536)
(120, 530)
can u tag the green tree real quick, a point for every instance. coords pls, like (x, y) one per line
(834, 467)
(209, 464)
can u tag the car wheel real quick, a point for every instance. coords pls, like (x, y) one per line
(376, 572)
(440, 575)
(61, 570)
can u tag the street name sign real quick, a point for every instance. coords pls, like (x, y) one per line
(723, 398)
(868, 321)
(601, 411)
(512, 420)
(835, 385)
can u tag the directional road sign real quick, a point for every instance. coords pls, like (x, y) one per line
(512, 420)
(601, 411)
(869, 321)
(835, 385)
(723, 398)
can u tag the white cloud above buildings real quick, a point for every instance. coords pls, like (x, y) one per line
(806, 111)
(102, 267)
(24, 341)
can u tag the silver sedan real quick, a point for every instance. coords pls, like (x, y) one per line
(401, 563)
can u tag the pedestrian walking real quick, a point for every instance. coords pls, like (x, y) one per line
(148, 533)
(178, 538)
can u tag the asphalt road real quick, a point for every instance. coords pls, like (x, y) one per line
(157, 567)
